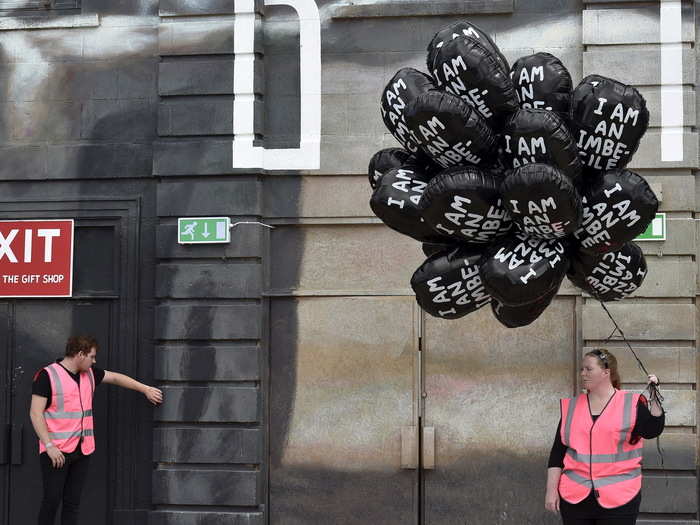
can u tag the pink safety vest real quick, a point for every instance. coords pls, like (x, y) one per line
(69, 415)
(599, 456)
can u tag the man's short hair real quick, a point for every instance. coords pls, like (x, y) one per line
(80, 343)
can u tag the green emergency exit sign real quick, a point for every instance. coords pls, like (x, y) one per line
(203, 230)
(656, 231)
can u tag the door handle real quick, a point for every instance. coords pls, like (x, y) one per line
(16, 444)
(428, 448)
(409, 447)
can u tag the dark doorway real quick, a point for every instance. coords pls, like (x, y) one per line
(33, 334)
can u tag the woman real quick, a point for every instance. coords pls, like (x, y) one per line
(594, 475)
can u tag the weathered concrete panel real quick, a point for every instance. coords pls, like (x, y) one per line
(239, 196)
(671, 364)
(207, 445)
(134, 41)
(45, 121)
(220, 281)
(652, 95)
(317, 196)
(669, 277)
(680, 496)
(434, 8)
(616, 64)
(202, 116)
(679, 452)
(205, 157)
(681, 406)
(205, 487)
(392, 257)
(246, 242)
(196, 37)
(98, 161)
(188, 517)
(680, 239)
(201, 77)
(200, 7)
(207, 363)
(678, 190)
(123, 120)
(209, 404)
(23, 162)
(640, 25)
(208, 322)
(649, 153)
(650, 321)
(137, 79)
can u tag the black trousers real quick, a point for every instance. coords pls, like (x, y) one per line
(589, 512)
(63, 485)
(600, 521)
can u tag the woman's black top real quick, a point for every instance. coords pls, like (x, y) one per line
(647, 427)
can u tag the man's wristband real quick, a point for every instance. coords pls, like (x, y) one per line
(49, 445)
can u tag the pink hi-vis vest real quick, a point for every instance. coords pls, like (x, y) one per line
(69, 416)
(599, 456)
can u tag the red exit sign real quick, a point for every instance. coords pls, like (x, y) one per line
(36, 258)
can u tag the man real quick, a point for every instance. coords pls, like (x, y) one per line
(61, 413)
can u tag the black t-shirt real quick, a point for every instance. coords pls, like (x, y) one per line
(42, 383)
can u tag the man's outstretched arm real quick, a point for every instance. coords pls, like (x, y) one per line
(153, 394)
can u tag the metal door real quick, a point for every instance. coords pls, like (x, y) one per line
(38, 339)
(343, 416)
(490, 413)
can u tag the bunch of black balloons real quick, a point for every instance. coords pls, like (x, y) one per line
(511, 178)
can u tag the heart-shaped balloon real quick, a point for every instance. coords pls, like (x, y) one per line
(448, 284)
(469, 70)
(608, 120)
(542, 201)
(618, 205)
(396, 202)
(517, 316)
(449, 131)
(538, 135)
(610, 276)
(463, 29)
(464, 204)
(542, 82)
(520, 270)
(403, 87)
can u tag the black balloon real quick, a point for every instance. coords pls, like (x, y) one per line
(618, 205)
(448, 285)
(521, 270)
(542, 201)
(517, 316)
(395, 201)
(385, 160)
(463, 29)
(403, 87)
(464, 67)
(431, 248)
(464, 204)
(608, 120)
(449, 131)
(538, 135)
(541, 81)
(609, 276)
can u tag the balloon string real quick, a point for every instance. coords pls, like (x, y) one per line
(654, 393)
